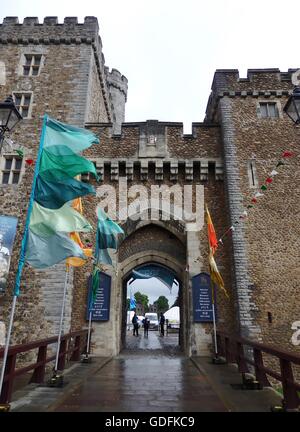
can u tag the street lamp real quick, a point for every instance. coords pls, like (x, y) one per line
(292, 107)
(9, 117)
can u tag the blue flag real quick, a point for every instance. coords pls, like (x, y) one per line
(109, 234)
(132, 302)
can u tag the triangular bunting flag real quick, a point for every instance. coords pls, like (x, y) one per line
(288, 154)
(258, 194)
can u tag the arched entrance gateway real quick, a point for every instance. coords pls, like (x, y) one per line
(158, 249)
(161, 244)
(154, 273)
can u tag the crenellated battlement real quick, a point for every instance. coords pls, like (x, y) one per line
(258, 83)
(117, 80)
(32, 31)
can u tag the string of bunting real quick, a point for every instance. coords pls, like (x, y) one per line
(286, 154)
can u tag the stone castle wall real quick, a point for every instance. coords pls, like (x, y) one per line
(71, 86)
(265, 247)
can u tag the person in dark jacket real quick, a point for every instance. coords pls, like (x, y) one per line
(146, 326)
(135, 324)
(162, 324)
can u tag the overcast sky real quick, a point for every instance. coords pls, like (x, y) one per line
(169, 49)
(153, 288)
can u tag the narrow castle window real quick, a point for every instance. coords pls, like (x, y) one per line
(22, 102)
(252, 174)
(32, 64)
(268, 110)
(11, 167)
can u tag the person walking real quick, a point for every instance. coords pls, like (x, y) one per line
(146, 326)
(162, 324)
(135, 324)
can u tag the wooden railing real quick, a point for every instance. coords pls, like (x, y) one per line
(72, 344)
(233, 348)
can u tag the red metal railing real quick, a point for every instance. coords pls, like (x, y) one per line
(232, 347)
(39, 367)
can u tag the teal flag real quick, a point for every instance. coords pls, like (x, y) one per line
(61, 134)
(155, 271)
(70, 164)
(109, 234)
(45, 221)
(54, 194)
(50, 216)
(45, 252)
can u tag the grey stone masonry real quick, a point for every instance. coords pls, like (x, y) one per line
(31, 29)
(227, 82)
(244, 301)
(118, 85)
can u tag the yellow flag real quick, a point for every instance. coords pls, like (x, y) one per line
(88, 252)
(215, 275)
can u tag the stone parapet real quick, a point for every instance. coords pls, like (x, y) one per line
(258, 83)
(49, 29)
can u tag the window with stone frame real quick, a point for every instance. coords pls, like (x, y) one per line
(268, 110)
(32, 64)
(22, 102)
(11, 167)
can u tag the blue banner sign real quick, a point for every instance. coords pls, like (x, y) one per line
(202, 299)
(8, 228)
(101, 306)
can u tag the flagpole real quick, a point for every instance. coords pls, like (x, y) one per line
(23, 248)
(61, 320)
(89, 333)
(90, 321)
(214, 316)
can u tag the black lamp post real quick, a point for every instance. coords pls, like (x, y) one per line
(9, 117)
(292, 107)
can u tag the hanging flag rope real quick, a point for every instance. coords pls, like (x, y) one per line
(254, 200)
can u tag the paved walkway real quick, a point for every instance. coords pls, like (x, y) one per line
(150, 375)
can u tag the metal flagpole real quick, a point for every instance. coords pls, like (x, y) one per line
(61, 320)
(86, 358)
(23, 250)
(89, 333)
(215, 329)
(214, 316)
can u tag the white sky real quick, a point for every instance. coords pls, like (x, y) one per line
(153, 288)
(169, 49)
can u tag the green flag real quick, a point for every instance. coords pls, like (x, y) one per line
(61, 134)
(46, 221)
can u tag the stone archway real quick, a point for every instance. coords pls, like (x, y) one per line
(156, 243)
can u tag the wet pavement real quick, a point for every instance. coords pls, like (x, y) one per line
(149, 375)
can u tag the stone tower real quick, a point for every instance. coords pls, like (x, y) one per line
(58, 69)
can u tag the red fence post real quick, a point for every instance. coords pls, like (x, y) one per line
(39, 372)
(240, 358)
(7, 386)
(259, 364)
(76, 350)
(228, 353)
(290, 396)
(62, 355)
(220, 345)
